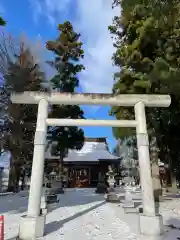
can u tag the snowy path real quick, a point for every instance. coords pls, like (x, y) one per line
(87, 216)
(81, 214)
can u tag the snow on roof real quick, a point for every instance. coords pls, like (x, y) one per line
(92, 151)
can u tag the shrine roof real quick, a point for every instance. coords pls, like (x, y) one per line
(94, 149)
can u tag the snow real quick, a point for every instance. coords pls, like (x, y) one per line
(91, 151)
(82, 214)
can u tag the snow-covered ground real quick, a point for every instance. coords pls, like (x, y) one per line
(81, 214)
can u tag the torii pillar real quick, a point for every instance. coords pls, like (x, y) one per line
(32, 225)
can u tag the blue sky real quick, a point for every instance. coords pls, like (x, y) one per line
(38, 20)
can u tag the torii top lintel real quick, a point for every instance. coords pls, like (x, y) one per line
(92, 99)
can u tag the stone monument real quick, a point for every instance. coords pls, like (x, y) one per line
(111, 178)
(111, 196)
(44, 206)
(53, 189)
(101, 186)
(129, 206)
(128, 164)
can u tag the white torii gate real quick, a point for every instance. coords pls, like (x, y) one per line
(32, 225)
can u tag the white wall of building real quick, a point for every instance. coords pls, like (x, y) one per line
(5, 164)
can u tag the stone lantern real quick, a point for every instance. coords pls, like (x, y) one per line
(111, 196)
(52, 176)
(111, 179)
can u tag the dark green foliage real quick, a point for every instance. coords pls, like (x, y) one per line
(67, 138)
(147, 45)
(2, 22)
(68, 52)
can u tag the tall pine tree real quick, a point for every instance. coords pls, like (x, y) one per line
(68, 52)
(147, 42)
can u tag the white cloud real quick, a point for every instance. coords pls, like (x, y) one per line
(91, 20)
(50, 9)
(2, 9)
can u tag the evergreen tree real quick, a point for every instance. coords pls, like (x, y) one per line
(68, 52)
(147, 42)
(23, 74)
(2, 22)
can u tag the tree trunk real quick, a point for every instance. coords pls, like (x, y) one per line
(18, 176)
(173, 187)
(23, 181)
(14, 177)
(60, 173)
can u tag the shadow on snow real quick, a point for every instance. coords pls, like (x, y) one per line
(56, 225)
(17, 203)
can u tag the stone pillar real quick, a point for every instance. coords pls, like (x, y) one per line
(38, 160)
(149, 217)
(144, 160)
(32, 225)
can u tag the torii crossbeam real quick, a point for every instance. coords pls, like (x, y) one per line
(32, 225)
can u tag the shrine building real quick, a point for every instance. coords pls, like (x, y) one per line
(87, 163)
